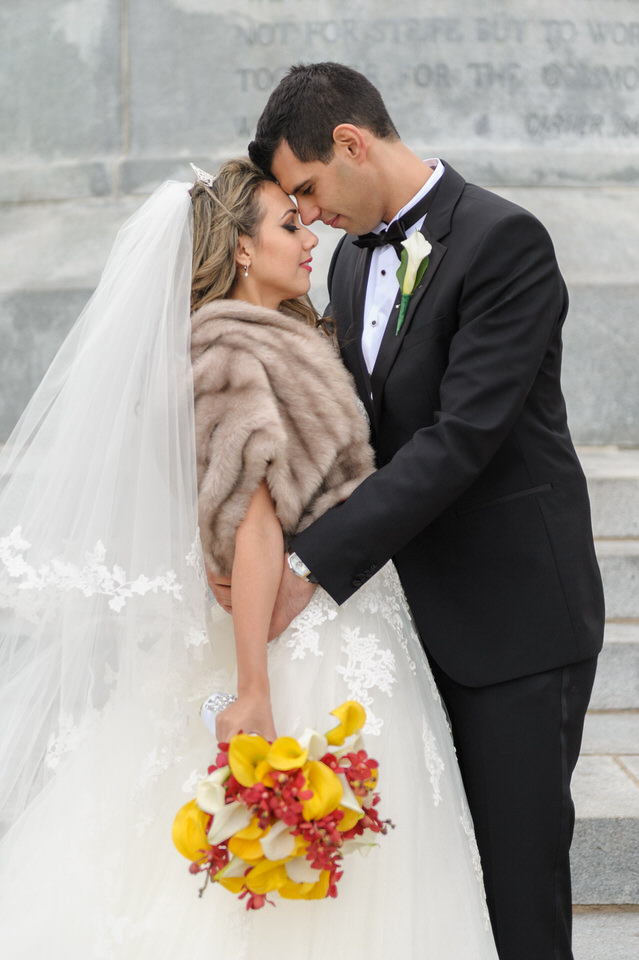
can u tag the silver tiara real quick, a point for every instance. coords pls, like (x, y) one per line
(203, 176)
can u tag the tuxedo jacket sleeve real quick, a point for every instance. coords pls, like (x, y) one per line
(479, 496)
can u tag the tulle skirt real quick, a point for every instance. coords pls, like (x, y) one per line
(90, 870)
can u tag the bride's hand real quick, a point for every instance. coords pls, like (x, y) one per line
(248, 714)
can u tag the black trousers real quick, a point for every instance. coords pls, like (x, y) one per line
(517, 744)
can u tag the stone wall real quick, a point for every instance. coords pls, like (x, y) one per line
(102, 99)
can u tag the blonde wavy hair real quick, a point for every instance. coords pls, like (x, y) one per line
(221, 214)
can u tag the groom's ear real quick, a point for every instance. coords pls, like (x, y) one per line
(350, 141)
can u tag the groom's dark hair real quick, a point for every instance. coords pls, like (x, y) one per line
(306, 106)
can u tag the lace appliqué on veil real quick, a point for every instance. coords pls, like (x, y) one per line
(69, 736)
(25, 585)
(195, 559)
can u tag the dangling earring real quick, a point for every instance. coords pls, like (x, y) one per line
(246, 266)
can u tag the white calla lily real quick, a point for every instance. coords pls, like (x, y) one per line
(278, 842)
(414, 260)
(210, 794)
(351, 745)
(349, 800)
(360, 844)
(315, 743)
(418, 248)
(232, 818)
(236, 867)
(300, 870)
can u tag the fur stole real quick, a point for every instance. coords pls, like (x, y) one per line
(273, 401)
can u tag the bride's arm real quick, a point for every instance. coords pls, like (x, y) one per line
(257, 569)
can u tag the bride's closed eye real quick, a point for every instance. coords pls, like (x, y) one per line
(291, 225)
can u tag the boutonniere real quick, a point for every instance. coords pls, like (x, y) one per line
(414, 260)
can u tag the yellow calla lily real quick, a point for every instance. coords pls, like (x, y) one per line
(246, 752)
(189, 831)
(263, 773)
(352, 717)
(246, 843)
(326, 788)
(286, 754)
(234, 884)
(349, 820)
(266, 876)
(320, 889)
(306, 891)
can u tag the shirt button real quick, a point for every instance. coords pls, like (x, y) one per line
(373, 323)
(383, 273)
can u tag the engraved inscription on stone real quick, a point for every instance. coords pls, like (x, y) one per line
(506, 73)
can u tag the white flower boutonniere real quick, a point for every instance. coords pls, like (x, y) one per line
(414, 260)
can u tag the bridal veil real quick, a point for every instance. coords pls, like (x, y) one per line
(100, 567)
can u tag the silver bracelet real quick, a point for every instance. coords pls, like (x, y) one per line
(214, 705)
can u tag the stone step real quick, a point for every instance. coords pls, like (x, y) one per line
(613, 484)
(601, 933)
(619, 563)
(613, 733)
(617, 680)
(605, 852)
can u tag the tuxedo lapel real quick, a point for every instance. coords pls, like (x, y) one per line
(392, 341)
(353, 271)
(436, 226)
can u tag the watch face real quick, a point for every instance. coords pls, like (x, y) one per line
(298, 566)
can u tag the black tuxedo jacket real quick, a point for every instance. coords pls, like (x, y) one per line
(479, 497)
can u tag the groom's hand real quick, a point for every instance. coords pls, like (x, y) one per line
(293, 595)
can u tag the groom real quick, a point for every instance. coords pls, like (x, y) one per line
(479, 497)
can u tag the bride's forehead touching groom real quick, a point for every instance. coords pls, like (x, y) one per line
(479, 496)
(350, 175)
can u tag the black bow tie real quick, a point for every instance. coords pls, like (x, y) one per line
(396, 233)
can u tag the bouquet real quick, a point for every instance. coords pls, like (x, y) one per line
(279, 817)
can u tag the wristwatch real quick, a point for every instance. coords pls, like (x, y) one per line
(300, 569)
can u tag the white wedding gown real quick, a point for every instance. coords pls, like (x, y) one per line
(91, 871)
(108, 649)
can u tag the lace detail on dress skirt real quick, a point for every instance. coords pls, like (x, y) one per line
(384, 595)
(467, 825)
(304, 637)
(367, 668)
(433, 760)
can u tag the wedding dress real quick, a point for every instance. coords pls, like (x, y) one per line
(109, 646)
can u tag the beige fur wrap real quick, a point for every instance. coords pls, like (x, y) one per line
(273, 401)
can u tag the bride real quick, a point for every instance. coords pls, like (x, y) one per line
(198, 414)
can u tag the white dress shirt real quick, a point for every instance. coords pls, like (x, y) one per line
(382, 286)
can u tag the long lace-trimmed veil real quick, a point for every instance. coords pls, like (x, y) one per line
(100, 567)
